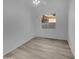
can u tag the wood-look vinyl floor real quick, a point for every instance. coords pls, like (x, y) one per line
(42, 48)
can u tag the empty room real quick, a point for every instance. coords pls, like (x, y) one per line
(39, 29)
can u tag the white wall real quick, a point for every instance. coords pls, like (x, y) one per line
(61, 9)
(22, 21)
(71, 26)
(18, 24)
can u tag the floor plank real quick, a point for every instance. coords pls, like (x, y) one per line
(42, 48)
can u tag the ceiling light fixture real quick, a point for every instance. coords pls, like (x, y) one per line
(36, 2)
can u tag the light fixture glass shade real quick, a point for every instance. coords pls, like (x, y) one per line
(36, 2)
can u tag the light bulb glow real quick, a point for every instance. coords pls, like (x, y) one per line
(36, 2)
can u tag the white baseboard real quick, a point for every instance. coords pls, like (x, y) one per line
(24, 41)
(18, 44)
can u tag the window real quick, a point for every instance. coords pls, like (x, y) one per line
(48, 21)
